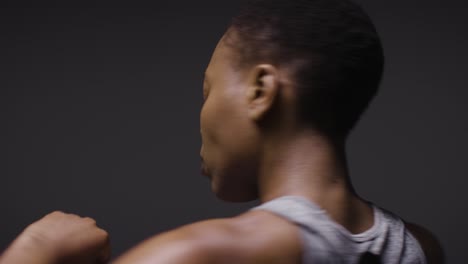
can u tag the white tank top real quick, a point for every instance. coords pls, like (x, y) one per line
(325, 241)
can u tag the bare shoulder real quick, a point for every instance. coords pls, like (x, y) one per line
(429, 243)
(253, 237)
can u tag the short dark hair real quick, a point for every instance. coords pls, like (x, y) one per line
(335, 44)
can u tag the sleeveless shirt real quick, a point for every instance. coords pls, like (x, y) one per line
(326, 241)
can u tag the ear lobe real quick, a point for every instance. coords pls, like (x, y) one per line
(262, 91)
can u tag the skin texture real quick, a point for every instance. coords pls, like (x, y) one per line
(248, 238)
(60, 238)
(250, 115)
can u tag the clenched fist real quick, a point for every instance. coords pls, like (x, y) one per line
(60, 238)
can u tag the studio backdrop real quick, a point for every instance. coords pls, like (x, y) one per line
(100, 117)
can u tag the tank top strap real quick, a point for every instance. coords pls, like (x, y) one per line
(326, 241)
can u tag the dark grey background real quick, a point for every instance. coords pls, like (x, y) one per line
(100, 108)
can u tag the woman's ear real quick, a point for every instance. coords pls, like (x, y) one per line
(262, 90)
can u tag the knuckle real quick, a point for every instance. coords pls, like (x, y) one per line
(54, 215)
(73, 216)
(104, 234)
(89, 220)
(57, 213)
